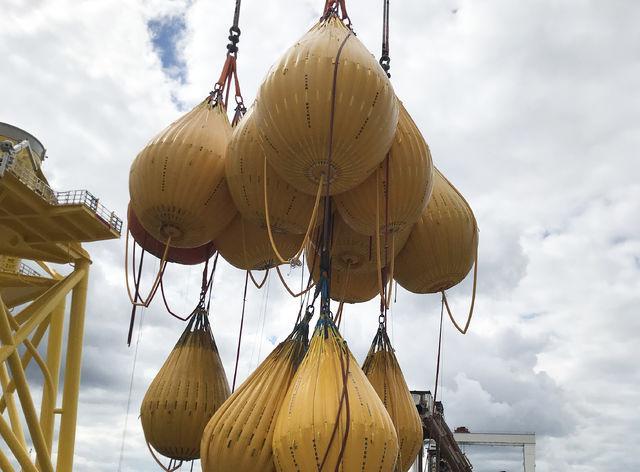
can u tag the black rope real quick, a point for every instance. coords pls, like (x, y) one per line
(385, 59)
(435, 392)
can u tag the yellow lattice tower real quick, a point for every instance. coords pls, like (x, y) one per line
(41, 225)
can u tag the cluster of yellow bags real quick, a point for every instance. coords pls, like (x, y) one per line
(326, 111)
(326, 122)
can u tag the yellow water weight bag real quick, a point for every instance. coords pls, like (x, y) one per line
(290, 210)
(402, 184)
(246, 246)
(238, 438)
(186, 392)
(331, 418)
(443, 244)
(327, 85)
(383, 371)
(177, 183)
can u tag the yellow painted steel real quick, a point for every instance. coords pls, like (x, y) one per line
(26, 358)
(331, 393)
(402, 183)
(442, 246)
(299, 97)
(14, 417)
(239, 435)
(9, 264)
(177, 182)
(54, 351)
(71, 388)
(22, 389)
(289, 209)
(246, 245)
(184, 395)
(42, 225)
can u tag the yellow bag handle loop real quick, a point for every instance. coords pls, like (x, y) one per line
(312, 221)
(473, 298)
(156, 282)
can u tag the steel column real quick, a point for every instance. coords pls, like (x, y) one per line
(67, 436)
(54, 350)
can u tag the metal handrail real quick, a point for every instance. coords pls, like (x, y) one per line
(24, 269)
(71, 197)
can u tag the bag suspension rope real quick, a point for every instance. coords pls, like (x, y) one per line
(323, 288)
(337, 7)
(229, 74)
(385, 59)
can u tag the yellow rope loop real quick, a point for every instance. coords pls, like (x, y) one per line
(286, 286)
(312, 220)
(473, 298)
(158, 278)
(162, 466)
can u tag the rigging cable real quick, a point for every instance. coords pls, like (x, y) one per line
(244, 304)
(133, 370)
(435, 391)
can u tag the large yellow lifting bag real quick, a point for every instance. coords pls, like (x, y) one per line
(186, 392)
(327, 92)
(383, 371)
(332, 419)
(402, 185)
(290, 210)
(443, 243)
(238, 437)
(177, 183)
(247, 246)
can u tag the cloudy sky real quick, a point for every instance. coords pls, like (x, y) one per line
(531, 109)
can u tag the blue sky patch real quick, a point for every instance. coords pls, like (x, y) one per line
(166, 32)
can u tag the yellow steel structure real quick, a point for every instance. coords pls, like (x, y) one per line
(44, 226)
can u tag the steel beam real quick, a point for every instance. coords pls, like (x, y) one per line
(22, 388)
(54, 351)
(67, 436)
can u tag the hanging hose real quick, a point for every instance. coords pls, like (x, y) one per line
(382, 284)
(291, 292)
(207, 282)
(170, 468)
(473, 298)
(312, 220)
(154, 287)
